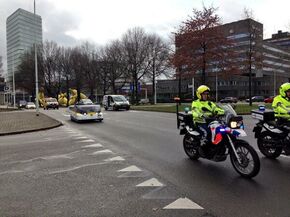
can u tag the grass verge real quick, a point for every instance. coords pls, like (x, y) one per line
(241, 109)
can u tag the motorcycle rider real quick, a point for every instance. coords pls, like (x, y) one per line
(203, 108)
(281, 104)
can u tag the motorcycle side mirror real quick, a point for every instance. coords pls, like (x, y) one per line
(186, 109)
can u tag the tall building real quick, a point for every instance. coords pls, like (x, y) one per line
(23, 29)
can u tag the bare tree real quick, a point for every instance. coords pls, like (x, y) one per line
(25, 78)
(1, 68)
(116, 69)
(248, 13)
(135, 42)
(66, 68)
(159, 59)
(52, 78)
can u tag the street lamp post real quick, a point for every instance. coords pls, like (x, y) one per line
(36, 70)
(13, 80)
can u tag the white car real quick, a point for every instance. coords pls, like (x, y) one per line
(30, 105)
(86, 112)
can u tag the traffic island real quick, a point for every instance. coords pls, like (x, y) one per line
(25, 121)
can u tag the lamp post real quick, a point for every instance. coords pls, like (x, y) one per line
(36, 70)
(13, 80)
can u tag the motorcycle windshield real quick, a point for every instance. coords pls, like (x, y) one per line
(229, 111)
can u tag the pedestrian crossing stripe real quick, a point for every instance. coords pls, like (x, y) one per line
(130, 169)
(88, 140)
(97, 145)
(150, 183)
(118, 158)
(183, 203)
(102, 152)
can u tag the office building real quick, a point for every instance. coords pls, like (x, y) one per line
(23, 29)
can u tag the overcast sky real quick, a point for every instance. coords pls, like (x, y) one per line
(68, 22)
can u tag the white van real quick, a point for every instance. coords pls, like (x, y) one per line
(115, 102)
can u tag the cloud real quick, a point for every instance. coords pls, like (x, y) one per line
(55, 23)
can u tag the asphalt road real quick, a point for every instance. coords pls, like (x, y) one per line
(61, 177)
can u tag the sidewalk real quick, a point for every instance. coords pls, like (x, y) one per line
(13, 122)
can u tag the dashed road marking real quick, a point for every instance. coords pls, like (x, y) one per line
(88, 140)
(101, 152)
(118, 158)
(130, 169)
(97, 145)
(150, 183)
(183, 203)
(81, 137)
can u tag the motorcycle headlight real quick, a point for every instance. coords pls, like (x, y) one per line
(236, 124)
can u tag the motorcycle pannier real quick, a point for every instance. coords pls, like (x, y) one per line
(185, 118)
(263, 115)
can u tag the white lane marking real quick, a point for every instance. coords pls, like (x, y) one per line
(101, 152)
(183, 203)
(88, 140)
(130, 169)
(11, 171)
(118, 158)
(66, 115)
(151, 182)
(97, 145)
(75, 168)
(81, 137)
(50, 157)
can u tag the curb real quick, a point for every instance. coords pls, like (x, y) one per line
(32, 130)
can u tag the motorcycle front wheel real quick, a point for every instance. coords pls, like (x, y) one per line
(190, 145)
(268, 150)
(249, 165)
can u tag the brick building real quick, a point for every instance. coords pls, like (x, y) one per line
(270, 65)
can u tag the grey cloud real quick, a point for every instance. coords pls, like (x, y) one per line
(55, 23)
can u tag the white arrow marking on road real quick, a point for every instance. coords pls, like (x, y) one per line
(97, 145)
(151, 182)
(101, 152)
(130, 169)
(118, 158)
(88, 140)
(183, 203)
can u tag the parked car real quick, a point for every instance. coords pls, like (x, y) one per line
(22, 104)
(85, 112)
(144, 101)
(50, 103)
(256, 99)
(30, 105)
(229, 100)
(269, 99)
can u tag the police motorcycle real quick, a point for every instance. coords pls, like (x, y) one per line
(225, 141)
(273, 135)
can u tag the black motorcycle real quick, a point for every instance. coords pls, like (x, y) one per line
(228, 129)
(272, 134)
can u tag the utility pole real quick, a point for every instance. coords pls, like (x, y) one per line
(36, 69)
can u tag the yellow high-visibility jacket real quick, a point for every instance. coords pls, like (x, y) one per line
(281, 107)
(199, 115)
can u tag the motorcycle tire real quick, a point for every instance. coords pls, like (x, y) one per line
(268, 152)
(244, 151)
(190, 145)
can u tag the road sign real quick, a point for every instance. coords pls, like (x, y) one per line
(6, 88)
